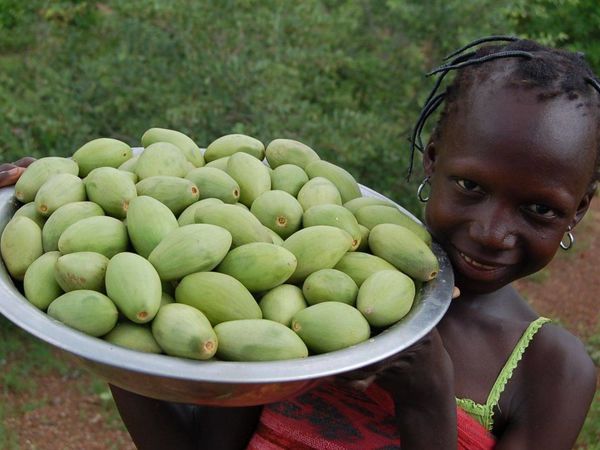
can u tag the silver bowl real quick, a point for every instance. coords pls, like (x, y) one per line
(216, 382)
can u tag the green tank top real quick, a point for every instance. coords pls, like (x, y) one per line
(484, 413)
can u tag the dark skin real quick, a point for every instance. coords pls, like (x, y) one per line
(509, 175)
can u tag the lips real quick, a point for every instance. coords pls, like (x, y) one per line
(477, 264)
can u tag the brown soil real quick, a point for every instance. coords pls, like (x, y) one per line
(62, 414)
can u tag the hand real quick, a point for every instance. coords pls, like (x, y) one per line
(10, 172)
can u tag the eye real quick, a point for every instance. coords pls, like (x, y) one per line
(468, 185)
(541, 210)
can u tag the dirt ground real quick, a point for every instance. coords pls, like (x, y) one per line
(74, 411)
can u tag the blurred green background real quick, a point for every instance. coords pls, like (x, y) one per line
(343, 76)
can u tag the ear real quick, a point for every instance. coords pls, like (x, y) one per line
(429, 157)
(584, 204)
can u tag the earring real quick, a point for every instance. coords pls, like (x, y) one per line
(420, 196)
(570, 240)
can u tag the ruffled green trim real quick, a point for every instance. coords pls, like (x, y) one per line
(484, 414)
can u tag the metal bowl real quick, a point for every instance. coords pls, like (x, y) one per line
(216, 382)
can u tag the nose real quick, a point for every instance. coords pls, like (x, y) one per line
(492, 229)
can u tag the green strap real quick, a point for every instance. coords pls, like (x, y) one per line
(485, 413)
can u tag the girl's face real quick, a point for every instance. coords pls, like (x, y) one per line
(509, 175)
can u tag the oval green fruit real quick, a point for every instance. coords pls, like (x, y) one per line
(330, 326)
(214, 183)
(251, 174)
(129, 165)
(176, 193)
(360, 265)
(81, 270)
(100, 234)
(20, 245)
(372, 215)
(364, 239)
(188, 215)
(188, 249)
(220, 163)
(219, 296)
(182, 330)
(385, 297)
(161, 158)
(190, 150)
(38, 172)
(289, 151)
(318, 191)
(101, 152)
(329, 285)
(148, 222)
(404, 250)
(112, 189)
(133, 336)
(281, 303)
(356, 203)
(30, 210)
(234, 143)
(39, 285)
(133, 284)
(315, 248)
(258, 340)
(65, 216)
(289, 178)
(90, 312)
(341, 178)
(335, 216)
(278, 211)
(259, 266)
(59, 190)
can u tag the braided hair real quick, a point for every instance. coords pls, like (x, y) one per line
(554, 72)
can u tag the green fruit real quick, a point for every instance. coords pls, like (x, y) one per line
(188, 216)
(188, 249)
(129, 165)
(385, 297)
(289, 178)
(372, 215)
(38, 172)
(277, 240)
(219, 296)
(112, 189)
(148, 222)
(258, 340)
(57, 191)
(315, 248)
(234, 143)
(259, 266)
(281, 303)
(220, 163)
(133, 284)
(405, 250)
(100, 234)
(364, 239)
(289, 151)
(30, 210)
(161, 158)
(20, 245)
(214, 183)
(81, 270)
(176, 193)
(90, 312)
(65, 216)
(187, 146)
(329, 285)
(133, 336)
(166, 298)
(330, 326)
(182, 330)
(335, 216)
(341, 178)
(251, 174)
(101, 152)
(39, 284)
(278, 211)
(359, 266)
(318, 191)
(241, 223)
(356, 203)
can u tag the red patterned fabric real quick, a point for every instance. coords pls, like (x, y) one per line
(334, 416)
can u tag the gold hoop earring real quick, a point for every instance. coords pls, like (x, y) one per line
(423, 198)
(570, 240)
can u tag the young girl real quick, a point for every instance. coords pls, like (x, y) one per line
(511, 168)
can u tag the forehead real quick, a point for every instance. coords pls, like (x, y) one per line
(510, 125)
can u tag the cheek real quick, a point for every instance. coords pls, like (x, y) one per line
(441, 216)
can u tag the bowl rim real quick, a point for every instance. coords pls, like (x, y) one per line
(430, 306)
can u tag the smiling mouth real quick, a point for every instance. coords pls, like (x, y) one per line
(476, 264)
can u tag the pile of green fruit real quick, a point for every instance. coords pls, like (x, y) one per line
(212, 253)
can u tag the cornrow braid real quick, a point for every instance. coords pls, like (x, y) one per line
(554, 72)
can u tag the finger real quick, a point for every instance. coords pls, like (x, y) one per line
(11, 176)
(455, 292)
(24, 162)
(363, 384)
